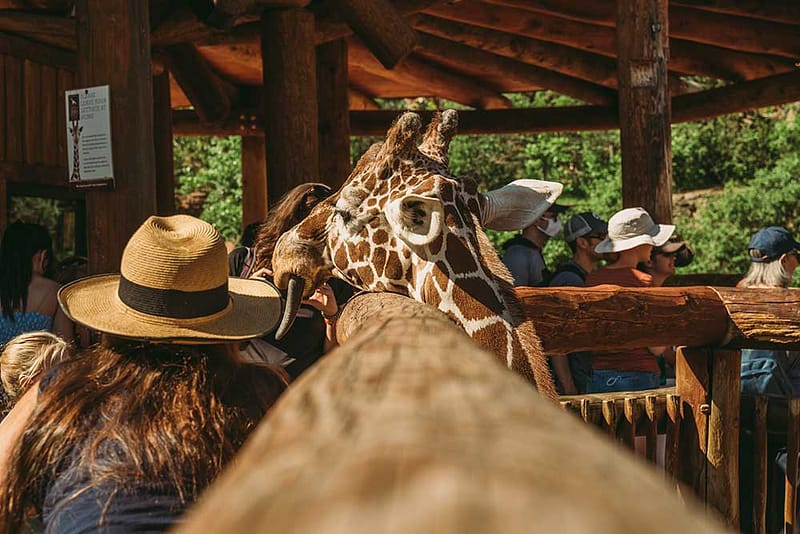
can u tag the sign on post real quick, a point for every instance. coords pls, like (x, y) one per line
(89, 157)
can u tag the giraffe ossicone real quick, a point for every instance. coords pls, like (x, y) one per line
(402, 223)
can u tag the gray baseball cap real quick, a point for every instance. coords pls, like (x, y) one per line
(584, 224)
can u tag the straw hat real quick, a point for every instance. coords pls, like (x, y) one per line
(519, 204)
(173, 286)
(632, 227)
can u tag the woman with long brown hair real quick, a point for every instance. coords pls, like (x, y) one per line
(314, 331)
(128, 433)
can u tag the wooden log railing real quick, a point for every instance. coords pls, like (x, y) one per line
(410, 427)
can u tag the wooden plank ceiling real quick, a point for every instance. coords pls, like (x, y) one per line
(467, 51)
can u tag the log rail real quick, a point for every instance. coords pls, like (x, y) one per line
(408, 426)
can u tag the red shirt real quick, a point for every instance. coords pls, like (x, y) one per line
(640, 360)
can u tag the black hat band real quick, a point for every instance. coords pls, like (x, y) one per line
(173, 302)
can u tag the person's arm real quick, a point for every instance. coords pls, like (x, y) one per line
(13, 425)
(563, 374)
(324, 300)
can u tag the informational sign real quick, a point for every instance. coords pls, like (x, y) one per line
(89, 158)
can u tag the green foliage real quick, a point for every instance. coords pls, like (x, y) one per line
(212, 165)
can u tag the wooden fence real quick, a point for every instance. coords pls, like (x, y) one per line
(410, 427)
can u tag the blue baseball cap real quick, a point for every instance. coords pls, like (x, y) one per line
(771, 243)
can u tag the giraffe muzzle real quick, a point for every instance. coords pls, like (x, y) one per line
(294, 296)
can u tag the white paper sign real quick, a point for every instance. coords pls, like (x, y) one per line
(89, 158)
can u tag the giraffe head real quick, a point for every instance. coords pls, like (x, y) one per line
(403, 223)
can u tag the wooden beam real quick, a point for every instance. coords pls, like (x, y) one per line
(735, 98)
(744, 96)
(380, 26)
(737, 33)
(3, 82)
(162, 141)
(20, 47)
(330, 25)
(118, 54)
(438, 82)
(209, 94)
(401, 430)
(359, 100)
(519, 120)
(442, 50)
(254, 181)
(727, 64)
(49, 29)
(562, 59)
(644, 106)
(55, 6)
(786, 11)
(601, 317)
(334, 116)
(599, 37)
(289, 100)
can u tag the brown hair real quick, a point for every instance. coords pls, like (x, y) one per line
(172, 415)
(291, 209)
(27, 355)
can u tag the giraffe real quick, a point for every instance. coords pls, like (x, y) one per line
(75, 132)
(402, 223)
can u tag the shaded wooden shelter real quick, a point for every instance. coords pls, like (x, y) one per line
(297, 78)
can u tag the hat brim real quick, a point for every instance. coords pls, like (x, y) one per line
(619, 245)
(253, 310)
(558, 208)
(519, 204)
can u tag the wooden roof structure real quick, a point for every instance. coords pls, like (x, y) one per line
(297, 78)
(465, 51)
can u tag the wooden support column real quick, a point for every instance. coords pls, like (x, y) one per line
(722, 491)
(254, 180)
(114, 49)
(334, 115)
(644, 106)
(162, 141)
(692, 378)
(290, 99)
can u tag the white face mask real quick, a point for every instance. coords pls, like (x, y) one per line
(552, 228)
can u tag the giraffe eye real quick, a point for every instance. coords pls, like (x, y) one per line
(345, 215)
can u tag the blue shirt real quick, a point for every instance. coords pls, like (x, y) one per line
(23, 323)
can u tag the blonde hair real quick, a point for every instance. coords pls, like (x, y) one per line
(763, 274)
(26, 356)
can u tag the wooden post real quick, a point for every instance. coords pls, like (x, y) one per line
(792, 450)
(290, 99)
(334, 115)
(254, 180)
(14, 108)
(114, 49)
(761, 464)
(723, 436)
(162, 139)
(644, 106)
(692, 374)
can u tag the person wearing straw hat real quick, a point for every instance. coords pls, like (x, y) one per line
(632, 234)
(126, 434)
(530, 205)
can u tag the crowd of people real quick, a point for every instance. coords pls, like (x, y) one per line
(125, 433)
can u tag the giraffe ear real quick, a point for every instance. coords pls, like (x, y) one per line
(401, 137)
(415, 219)
(436, 141)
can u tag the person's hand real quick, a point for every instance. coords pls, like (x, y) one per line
(323, 299)
(261, 273)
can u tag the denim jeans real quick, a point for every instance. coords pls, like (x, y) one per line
(607, 381)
